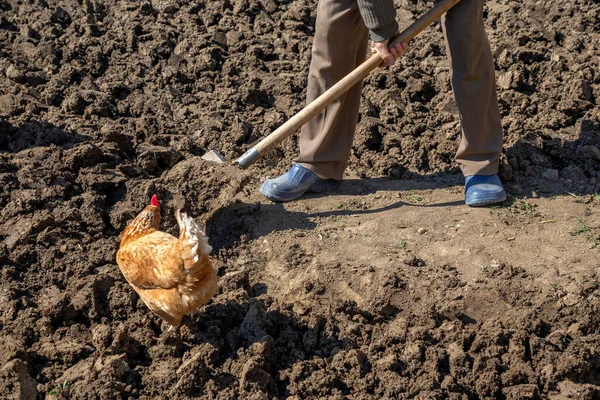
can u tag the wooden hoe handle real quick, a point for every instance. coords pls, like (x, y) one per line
(334, 92)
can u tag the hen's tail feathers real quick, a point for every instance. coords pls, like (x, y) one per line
(194, 242)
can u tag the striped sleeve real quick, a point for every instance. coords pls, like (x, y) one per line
(379, 17)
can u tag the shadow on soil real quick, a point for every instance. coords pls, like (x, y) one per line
(35, 134)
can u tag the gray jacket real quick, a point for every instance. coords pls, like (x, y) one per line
(379, 17)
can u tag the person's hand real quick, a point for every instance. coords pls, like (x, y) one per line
(388, 55)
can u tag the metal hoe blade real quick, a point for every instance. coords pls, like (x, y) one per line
(214, 156)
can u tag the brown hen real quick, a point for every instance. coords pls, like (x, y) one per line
(173, 276)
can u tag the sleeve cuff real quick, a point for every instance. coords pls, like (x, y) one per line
(384, 33)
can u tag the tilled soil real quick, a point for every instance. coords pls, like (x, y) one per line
(388, 288)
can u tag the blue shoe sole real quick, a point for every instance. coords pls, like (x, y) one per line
(485, 202)
(318, 187)
(273, 197)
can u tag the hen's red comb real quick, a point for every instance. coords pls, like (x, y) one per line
(155, 201)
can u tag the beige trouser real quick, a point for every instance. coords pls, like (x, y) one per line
(340, 45)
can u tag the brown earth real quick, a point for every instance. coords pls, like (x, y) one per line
(388, 288)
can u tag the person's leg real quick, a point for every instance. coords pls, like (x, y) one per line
(339, 46)
(473, 83)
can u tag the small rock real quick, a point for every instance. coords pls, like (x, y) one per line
(220, 38)
(505, 80)
(15, 74)
(421, 231)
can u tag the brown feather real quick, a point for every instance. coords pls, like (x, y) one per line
(159, 267)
